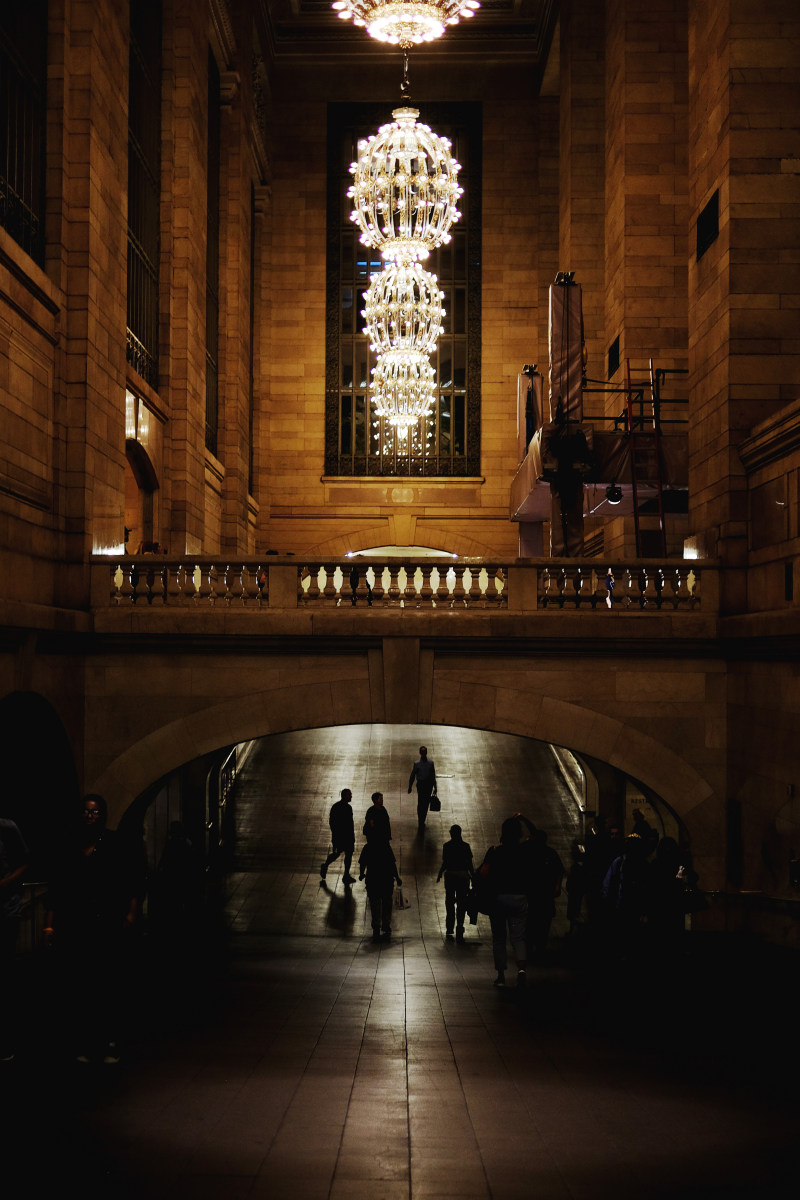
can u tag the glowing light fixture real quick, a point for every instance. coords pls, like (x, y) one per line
(403, 388)
(405, 189)
(405, 22)
(403, 310)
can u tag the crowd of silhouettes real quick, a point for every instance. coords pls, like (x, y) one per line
(631, 893)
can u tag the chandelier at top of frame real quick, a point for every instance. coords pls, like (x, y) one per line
(405, 22)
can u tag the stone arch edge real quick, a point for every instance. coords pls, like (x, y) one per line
(564, 724)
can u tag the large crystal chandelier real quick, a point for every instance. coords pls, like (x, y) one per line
(405, 194)
(405, 22)
(405, 189)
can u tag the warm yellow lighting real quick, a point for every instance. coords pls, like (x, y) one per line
(403, 309)
(403, 388)
(405, 189)
(130, 416)
(405, 22)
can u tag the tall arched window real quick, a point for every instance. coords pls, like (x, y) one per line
(356, 442)
(144, 188)
(23, 79)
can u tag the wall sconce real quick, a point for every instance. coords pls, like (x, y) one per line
(613, 494)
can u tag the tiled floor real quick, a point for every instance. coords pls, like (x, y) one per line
(307, 1062)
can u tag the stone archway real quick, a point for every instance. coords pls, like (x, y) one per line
(583, 731)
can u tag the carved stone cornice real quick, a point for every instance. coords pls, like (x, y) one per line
(773, 439)
(222, 30)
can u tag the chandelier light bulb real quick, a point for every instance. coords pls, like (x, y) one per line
(405, 22)
(403, 309)
(405, 189)
(403, 388)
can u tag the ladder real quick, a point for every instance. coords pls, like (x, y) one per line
(644, 440)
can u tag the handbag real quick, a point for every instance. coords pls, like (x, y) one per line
(435, 804)
(482, 894)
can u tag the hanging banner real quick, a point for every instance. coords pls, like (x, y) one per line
(566, 350)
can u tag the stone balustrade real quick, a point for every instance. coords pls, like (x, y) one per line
(446, 585)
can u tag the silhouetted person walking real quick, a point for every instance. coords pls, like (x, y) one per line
(377, 826)
(508, 870)
(457, 870)
(343, 838)
(377, 862)
(424, 772)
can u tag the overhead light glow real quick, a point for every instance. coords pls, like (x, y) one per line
(405, 22)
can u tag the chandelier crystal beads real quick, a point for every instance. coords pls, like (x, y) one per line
(403, 388)
(405, 22)
(405, 189)
(403, 310)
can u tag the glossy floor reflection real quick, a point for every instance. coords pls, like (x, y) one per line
(307, 1062)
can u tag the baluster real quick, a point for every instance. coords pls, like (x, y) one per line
(379, 586)
(157, 585)
(587, 595)
(499, 583)
(693, 588)
(577, 584)
(224, 580)
(236, 589)
(673, 582)
(262, 584)
(402, 585)
(126, 587)
(425, 593)
(117, 576)
(442, 590)
(544, 585)
(472, 588)
(561, 587)
(138, 584)
(205, 586)
(449, 585)
(193, 584)
(411, 589)
(328, 590)
(393, 591)
(642, 582)
(482, 582)
(305, 585)
(458, 595)
(658, 585)
(628, 588)
(592, 592)
(172, 586)
(249, 585)
(221, 594)
(610, 584)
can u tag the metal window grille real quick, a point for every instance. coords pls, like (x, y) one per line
(212, 258)
(23, 76)
(251, 352)
(356, 441)
(144, 188)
